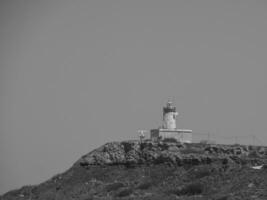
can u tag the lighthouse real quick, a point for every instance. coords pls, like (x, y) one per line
(169, 129)
(169, 116)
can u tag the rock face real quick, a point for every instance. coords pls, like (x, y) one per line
(147, 152)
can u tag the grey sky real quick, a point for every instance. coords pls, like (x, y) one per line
(77, 74)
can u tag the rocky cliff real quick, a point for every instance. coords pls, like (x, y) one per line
(147, 152)
(164, 170)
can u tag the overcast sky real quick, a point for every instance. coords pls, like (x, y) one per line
(77, 74)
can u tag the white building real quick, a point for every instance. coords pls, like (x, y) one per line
(168, 129)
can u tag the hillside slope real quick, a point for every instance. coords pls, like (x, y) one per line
(134, 170)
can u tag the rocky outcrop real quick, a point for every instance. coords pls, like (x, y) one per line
(148, 152)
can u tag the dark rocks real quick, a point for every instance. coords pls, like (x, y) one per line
(131, 153)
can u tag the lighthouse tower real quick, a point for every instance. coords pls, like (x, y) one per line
(169, 116)
(169, 129)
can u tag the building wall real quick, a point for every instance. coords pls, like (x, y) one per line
(179, 136)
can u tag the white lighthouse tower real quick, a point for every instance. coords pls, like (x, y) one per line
(169, 129)
(169, 116)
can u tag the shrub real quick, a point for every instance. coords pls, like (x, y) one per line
(191, 189)
(253, 154)
(222, 198)
(144, 185)
(124, 192)
(192, 150)
(114, 186)
(202, 172)
(127, 146)
(171, 140)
